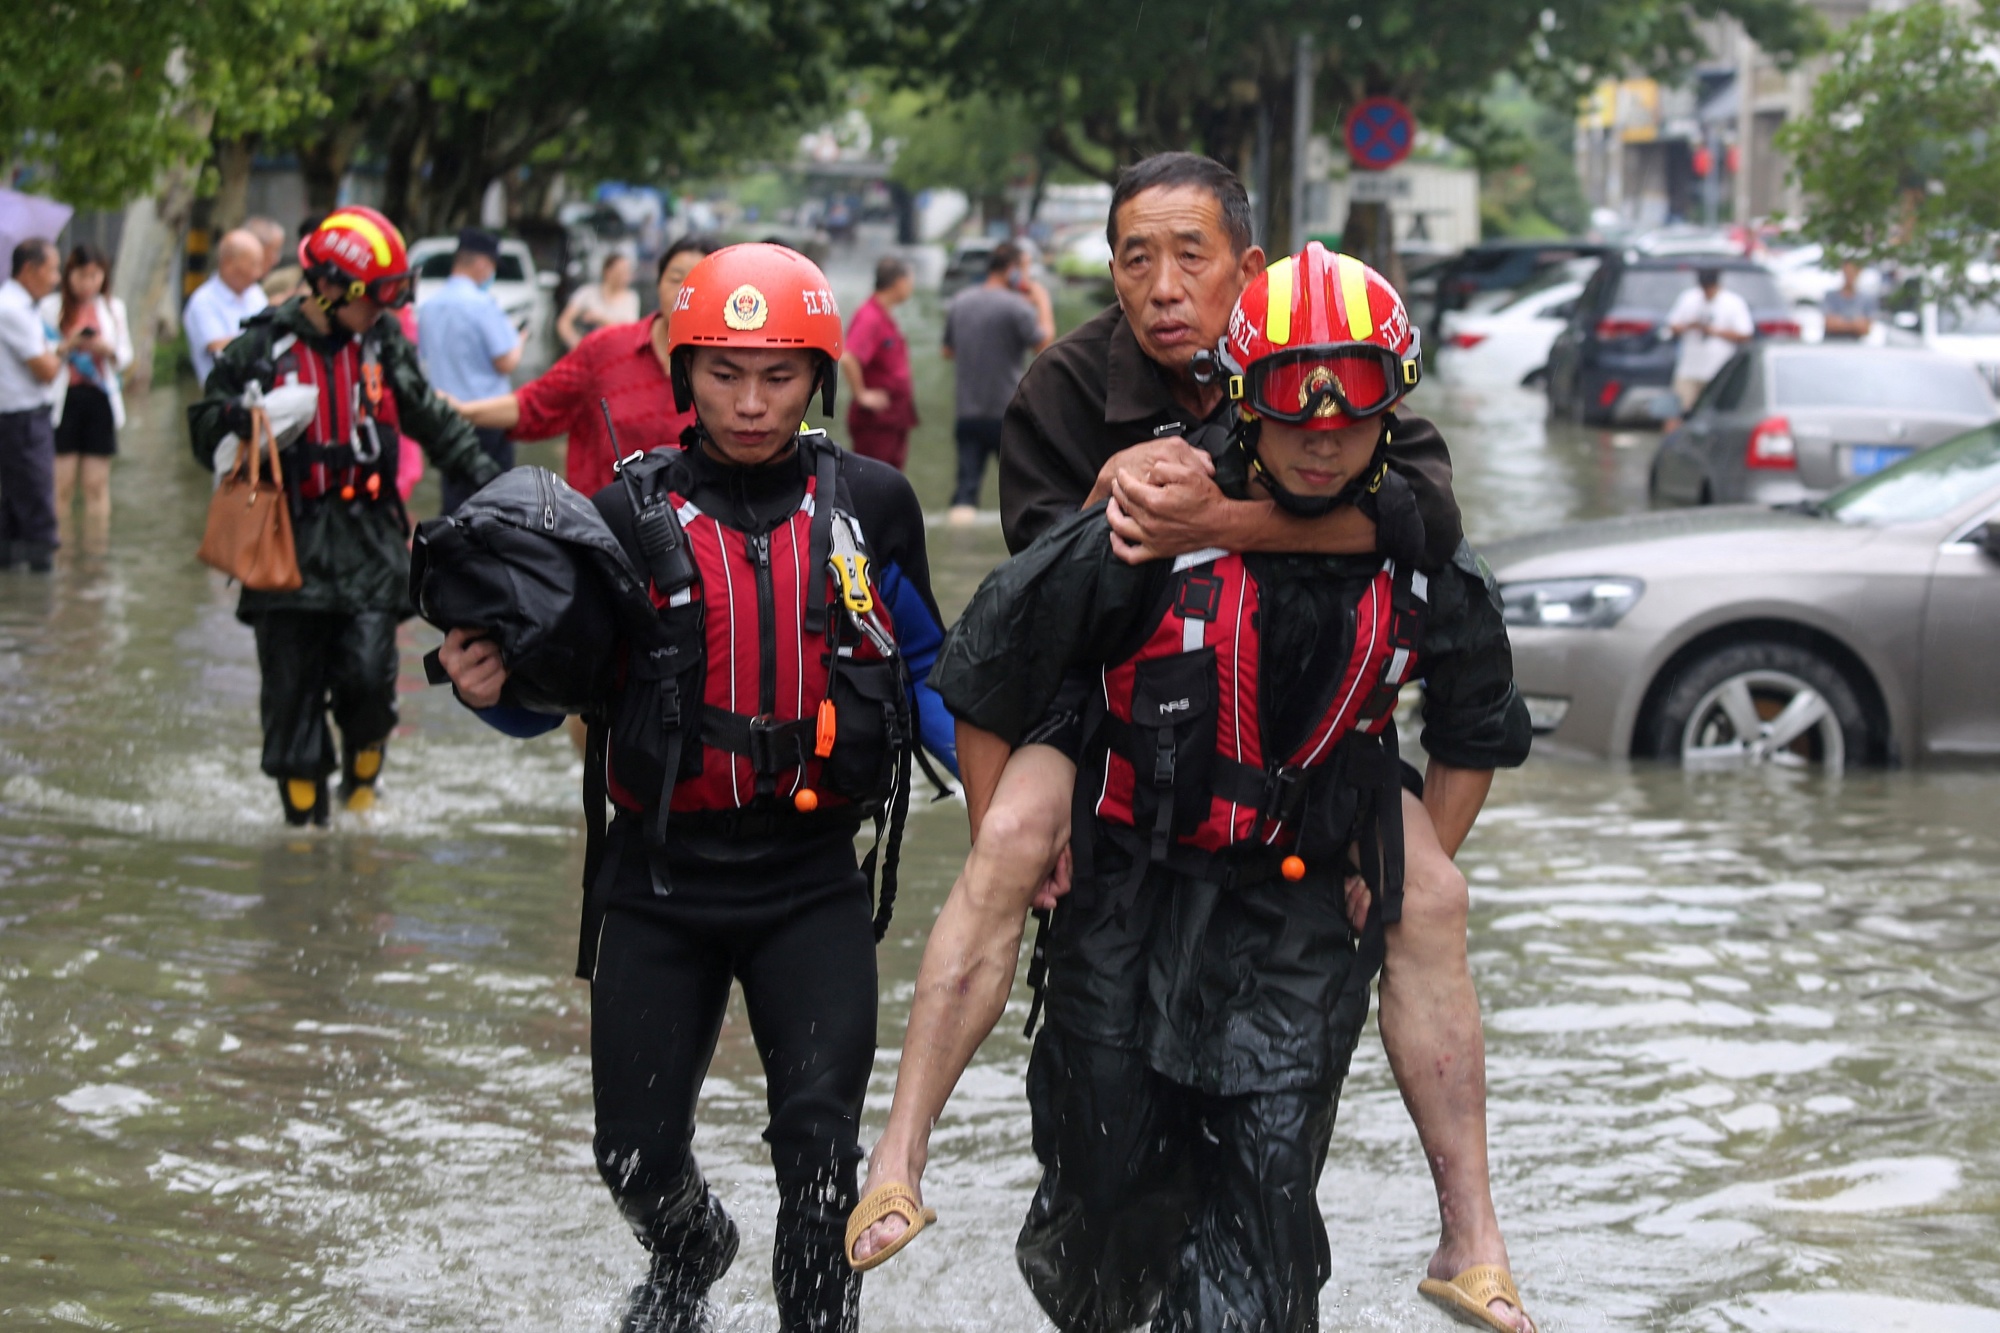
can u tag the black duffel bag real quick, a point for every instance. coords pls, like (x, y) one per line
(529, 563)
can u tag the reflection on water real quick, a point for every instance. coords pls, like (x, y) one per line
(1740, 1027)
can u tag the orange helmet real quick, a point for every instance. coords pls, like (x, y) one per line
(359, 247)
(755, 295)
(1320, 340)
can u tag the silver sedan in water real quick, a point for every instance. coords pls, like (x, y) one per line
(1864, 628)
(1790, 421)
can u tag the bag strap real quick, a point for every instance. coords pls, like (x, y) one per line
(820, 545)
(595, 792)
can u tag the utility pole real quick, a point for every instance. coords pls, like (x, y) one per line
(1302, 119)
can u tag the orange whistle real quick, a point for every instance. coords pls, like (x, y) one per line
(347, 491)
(1292, 868)
(371, 382)
(824, 732)
(374, 485)
(806, 801)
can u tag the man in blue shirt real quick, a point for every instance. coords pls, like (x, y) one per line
(469, 346)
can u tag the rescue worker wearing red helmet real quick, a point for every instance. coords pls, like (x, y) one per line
(1238, 837)
(330, 644)
(794, 589)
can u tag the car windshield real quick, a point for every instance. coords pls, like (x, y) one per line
(1958, 317)
(1923, 486)
(1657, 288)
(1859, 377)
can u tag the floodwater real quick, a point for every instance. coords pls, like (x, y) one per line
(1740, 1026)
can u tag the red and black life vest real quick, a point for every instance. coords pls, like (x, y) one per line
(349, 453)
(1185, 763)
(775, 691)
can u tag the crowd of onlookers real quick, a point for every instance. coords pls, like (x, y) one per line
(66, 346)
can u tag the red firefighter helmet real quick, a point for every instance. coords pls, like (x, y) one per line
(755, 295)
(1320, 340)
(362, 249)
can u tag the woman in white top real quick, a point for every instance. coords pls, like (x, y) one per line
(89, 405)
(609, 300)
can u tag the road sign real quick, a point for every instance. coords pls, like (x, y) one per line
(1380, 133)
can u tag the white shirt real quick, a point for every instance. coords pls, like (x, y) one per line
(215, 313)
(23, 337)
(1703, 354)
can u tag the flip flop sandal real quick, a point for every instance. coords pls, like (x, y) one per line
(892, 1200)
(1466, 1296)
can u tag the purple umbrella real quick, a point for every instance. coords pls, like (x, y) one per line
(29, 215)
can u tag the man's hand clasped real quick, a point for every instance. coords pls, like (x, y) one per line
(473, 663)
(1163, 500)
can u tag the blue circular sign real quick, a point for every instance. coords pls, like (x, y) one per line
(1380, 133)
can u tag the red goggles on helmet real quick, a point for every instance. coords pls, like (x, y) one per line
(1300, 384)
(392, 292)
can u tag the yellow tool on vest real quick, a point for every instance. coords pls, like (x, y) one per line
(850, 567)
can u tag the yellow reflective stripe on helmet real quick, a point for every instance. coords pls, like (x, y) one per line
(355, 222)
(1354, 295)
(1278, 304)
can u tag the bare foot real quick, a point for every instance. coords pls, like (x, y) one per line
(1450, 1260)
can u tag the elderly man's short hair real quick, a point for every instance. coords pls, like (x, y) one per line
(29, 253)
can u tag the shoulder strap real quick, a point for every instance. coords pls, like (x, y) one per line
(820, 547)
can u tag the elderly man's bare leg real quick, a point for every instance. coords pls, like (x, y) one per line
(969, 963)
(1430, 1029)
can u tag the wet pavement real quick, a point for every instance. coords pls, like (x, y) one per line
(1740, 1026)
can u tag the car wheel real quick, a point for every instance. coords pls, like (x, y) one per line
(1757, 703)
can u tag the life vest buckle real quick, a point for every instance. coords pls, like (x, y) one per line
(1284, 793)
(774, 746)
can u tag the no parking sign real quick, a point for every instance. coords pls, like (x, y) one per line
(1380, 133)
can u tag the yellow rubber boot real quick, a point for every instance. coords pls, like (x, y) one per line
(363, 767)
(304, 801)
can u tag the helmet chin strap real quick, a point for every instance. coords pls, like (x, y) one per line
(1316, 506)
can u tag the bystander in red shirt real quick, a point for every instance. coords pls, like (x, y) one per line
(879, 345)
(616, 363)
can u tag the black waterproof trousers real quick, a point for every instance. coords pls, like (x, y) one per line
(313, 661)
(1161, 1204)
(797, 933)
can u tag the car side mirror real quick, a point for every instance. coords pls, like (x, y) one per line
(1987, 538)
(547, 280)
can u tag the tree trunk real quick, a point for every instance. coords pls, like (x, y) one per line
(231, 203)
(1370, 236)
(154, 237)
(323, 162)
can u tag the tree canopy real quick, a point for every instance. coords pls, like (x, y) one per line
(1112, 83)
(1898, 156)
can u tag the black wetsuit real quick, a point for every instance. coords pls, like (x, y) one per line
(1200, 1026)
(777, 903)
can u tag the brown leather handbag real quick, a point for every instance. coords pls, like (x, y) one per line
(249, 534)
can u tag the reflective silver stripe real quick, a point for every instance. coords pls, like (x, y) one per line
(687, 513)
(847, 651)
(1398, 664)
(1420, 587)
(1191, 634)
(681, 598)
(1203, 557)
(806, 505)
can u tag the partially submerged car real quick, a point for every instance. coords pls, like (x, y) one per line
(1861, 629)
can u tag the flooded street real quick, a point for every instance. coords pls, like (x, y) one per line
(1740, 1026)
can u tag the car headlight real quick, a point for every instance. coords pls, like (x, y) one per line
(1569, 603)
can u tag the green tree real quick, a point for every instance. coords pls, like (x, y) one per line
(1897, 157)
(499, 89)
(1111, 83)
